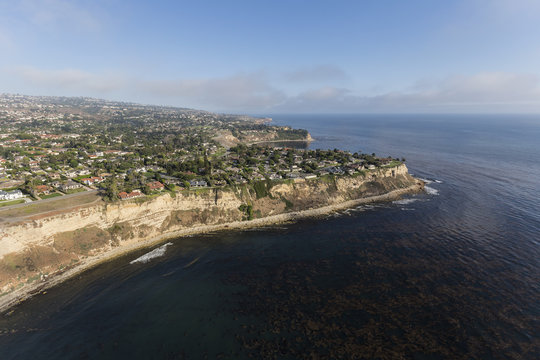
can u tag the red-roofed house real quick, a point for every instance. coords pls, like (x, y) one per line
(92, 180)
(42, 189)
(155, 185)
(126, 196)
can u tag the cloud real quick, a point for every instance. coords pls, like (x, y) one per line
(485, 92)
(246, 92)
(69, 79)
(316, 74)
(254, 92)
(56, 13)
(495, 87)
(243, 91)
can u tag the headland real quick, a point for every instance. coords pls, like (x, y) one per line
(44, 249)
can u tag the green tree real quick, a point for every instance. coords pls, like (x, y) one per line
(111, 190)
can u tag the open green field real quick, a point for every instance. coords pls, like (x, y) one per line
(46, 206)
(73, 191)
(50, 196)
(393, 164)
(12, 202)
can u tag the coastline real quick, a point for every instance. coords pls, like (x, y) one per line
(307, 141)
(20, 295)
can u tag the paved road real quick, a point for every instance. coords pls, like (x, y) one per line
(47, 200)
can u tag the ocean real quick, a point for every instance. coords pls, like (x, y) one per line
(449, 274)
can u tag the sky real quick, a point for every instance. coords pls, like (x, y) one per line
(279, 56)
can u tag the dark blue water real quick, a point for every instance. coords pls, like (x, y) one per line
(450, 274)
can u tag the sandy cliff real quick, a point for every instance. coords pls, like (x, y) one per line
(34, 251)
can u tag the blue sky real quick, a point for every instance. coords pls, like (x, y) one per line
(263, 56)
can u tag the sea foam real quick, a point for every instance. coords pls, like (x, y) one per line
(404, 201)
(160, 251)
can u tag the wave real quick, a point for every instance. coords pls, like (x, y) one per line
(364, 207)
(430, 181)
(160, 251)
(431, 191)
(404, 201)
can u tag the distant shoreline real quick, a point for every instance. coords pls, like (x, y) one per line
(18, 296)
(307, 140)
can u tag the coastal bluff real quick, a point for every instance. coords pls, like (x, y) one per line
(40, 250)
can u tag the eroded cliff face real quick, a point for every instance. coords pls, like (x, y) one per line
(33, 249)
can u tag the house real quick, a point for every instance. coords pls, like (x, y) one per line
(92, 180)
(126, 196)
(293, 175)
(170, 179)
(198, 183)
(70, 185)
(155, 186)
(42, 189)
(10, 195)
(357, 166)
(238, 179)
(334, 170)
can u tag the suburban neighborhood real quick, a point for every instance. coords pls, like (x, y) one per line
(52, 147)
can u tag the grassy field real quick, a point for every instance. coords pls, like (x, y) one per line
(51, 195)
(73, 191)
(40, 207)
(393, 164)
(12, 202)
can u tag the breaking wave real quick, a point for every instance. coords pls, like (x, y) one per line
(160, 251)
(431, 191)
(430, 181)
(404, 201)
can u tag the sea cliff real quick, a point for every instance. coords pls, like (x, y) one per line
(40, 251)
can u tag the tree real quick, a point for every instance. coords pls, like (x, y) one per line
(111, 189)
(146, 189)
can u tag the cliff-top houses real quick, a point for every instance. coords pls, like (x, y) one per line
(155, 186)
(131, 195)
(11, 195)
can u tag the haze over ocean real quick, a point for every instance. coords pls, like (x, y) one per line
(450, 274)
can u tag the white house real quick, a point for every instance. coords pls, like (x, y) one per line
(10, 195)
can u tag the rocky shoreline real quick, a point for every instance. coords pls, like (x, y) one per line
(7, 301)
